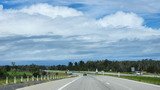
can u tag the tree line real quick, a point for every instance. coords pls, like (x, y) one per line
(148, 65)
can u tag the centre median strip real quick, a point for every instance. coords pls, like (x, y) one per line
(144, 79)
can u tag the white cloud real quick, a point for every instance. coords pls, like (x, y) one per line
(122, 19)
(36, 19)
(50, 11)
(98, 8)
(80, 33)
(1, 7)
(41, 19)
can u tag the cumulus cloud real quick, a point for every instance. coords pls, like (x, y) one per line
(50, 11)
(43, 31)
(1, 7)
(122, 19)
(36, 19)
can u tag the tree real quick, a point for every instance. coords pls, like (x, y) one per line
(70, 66)
(36, 74)
(3, 73)
(7, 68)
(82, 65)
(75, 66)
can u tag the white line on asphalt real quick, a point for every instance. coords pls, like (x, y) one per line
(68, 84)
(107, 83)
(128, 88)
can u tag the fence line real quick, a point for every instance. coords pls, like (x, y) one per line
(22, 79)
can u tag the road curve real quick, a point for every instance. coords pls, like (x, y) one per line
(92, 82)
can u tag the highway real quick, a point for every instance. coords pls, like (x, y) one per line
(92, 82)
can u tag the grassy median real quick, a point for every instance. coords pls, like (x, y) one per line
(152, 80)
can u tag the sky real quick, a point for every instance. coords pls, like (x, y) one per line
(79, 29)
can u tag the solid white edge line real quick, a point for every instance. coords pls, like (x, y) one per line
(107, 83)
(144, 83)
(68, 84)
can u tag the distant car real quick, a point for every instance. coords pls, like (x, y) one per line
(84, 74)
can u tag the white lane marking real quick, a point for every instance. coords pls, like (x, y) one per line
(68, 84)
(107, 83)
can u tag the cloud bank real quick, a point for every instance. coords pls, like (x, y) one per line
(42, 32)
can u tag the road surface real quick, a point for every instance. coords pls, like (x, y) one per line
(92, 82)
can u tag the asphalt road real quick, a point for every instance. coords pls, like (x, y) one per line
(92, 82)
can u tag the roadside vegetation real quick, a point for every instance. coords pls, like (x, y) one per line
(152, 80)
(27, 73)
(145, 65)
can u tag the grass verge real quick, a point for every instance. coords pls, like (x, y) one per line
(152, 80)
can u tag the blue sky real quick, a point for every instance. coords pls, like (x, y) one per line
(81, 29)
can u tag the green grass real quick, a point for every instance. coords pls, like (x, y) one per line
(2, 81)
(56, 71)
(13, 73)
(18, 75)
(152, 80)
